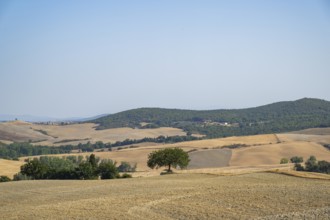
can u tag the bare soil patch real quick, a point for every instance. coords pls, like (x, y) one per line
(209, 158)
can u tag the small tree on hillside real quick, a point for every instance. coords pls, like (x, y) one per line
(168, 157)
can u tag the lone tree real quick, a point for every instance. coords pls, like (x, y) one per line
(168, 157)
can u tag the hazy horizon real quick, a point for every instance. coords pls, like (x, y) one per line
(67, 59)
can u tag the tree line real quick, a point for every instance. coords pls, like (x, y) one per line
(311, 164)
(73, 167)
(16, 150)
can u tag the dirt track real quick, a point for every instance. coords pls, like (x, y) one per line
(185, 196)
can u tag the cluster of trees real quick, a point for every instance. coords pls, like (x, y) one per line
(90, 168)
(277, 117)
(294, 159)
(312, 165)
(16, 150)
(73, 167)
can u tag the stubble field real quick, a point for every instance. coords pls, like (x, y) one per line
(55, 135)
(179, 196)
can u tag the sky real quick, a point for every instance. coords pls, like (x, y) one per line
(75, 58)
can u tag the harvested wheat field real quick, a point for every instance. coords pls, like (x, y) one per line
(178, 196)
(322, 139)
(9, 167)
(55, 135)
(272, 154)
(221, 142)
(313, 131)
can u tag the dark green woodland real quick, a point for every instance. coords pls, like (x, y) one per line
(272, 118)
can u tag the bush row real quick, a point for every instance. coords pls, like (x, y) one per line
(72, 167)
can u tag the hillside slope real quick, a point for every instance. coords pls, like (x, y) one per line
(183, 196)
(272, 118)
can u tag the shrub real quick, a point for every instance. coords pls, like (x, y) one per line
(4, 179)
(165, 172)
(126, 175)
(284, 160)
(126, 167)
(296, 159)
(298, 167)
(20, 176)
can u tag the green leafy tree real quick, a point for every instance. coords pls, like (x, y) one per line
(92, 160)
(108, 170)
(34, 168)
(296, 159)
(86, 171)
(311, 164)
(168, 157)
(323, 166)
(298, 167)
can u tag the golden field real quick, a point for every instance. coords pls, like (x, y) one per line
(55, 135)
(178, 196)
(241, 183)
(9, 167)
(261, 150)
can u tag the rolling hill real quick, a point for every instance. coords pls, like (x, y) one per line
(180, 196)
(273, 118)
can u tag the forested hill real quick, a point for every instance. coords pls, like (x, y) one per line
(276, 117)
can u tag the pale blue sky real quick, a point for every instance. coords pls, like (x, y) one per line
(83, 58)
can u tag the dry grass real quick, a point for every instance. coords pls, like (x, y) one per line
(324, 139)
(313, 131)
(9, 167)
(220, 142)
(309, 175)
(20, 132)
(272, 154)
(261, 150)
(50, 134)
(184, 196)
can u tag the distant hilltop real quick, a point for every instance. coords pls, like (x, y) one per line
(45, 119)
(273, 118)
